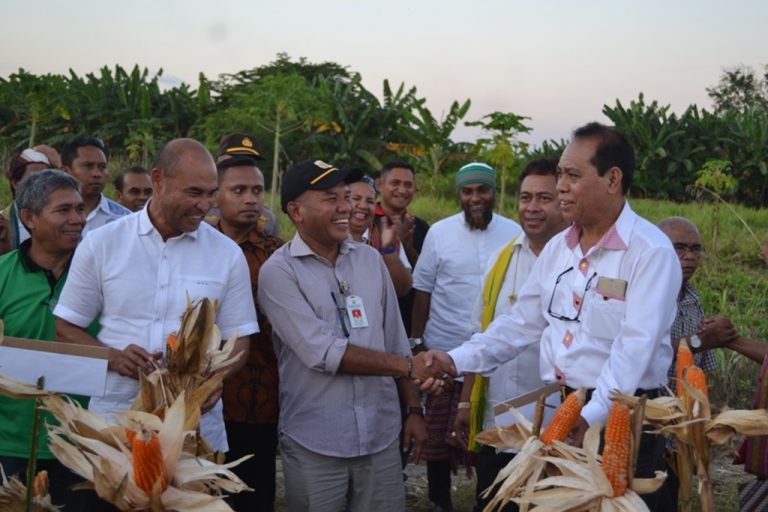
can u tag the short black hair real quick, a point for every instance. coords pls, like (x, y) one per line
(395, 164)
(539, 167)
(120, 178)
(613, 150)
(69, 151)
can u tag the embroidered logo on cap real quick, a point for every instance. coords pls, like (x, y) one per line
(328, 170)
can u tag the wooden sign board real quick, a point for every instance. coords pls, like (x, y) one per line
(67, 367)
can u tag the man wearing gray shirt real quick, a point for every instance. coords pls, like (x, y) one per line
(341, 347)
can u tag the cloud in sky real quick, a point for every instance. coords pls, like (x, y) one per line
(557, 62)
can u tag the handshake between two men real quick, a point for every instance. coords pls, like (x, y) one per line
(431, 370)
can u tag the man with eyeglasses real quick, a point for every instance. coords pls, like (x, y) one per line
(600, 299)
(703, 337)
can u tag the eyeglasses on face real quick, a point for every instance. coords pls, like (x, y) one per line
(681, 248)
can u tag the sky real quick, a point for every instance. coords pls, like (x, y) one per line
(557, 62)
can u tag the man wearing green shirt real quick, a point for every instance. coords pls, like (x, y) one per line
(31, 278)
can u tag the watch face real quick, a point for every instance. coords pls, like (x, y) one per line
(695, 342)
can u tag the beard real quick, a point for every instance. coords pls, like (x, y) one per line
(482, 222)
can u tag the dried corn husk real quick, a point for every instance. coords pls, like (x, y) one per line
(195, 364)
(19, 390)
(560, 476)
(99, 452)
(13, 493)
(695, 431)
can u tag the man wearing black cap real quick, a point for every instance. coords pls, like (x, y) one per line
(339, 341)
(241, 148)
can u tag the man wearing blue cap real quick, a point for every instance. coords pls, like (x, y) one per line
(447, 280)
(339, 341)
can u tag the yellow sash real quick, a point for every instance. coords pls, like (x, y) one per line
(491, 290)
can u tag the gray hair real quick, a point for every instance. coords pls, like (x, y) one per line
(35, 190)
(677, 222)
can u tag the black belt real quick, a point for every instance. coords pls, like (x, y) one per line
(650, 393)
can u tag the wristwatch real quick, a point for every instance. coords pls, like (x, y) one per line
(415, 409)
(415, 342)
(695, 342)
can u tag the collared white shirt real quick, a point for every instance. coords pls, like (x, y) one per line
(521, 374)
(138, 284)
(618, 342)
(450, 268)
(106, 211)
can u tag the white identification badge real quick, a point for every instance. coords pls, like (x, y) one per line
(356, 312)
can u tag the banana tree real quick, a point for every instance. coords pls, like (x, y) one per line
(433, 135)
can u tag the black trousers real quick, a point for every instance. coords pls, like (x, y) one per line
(489, 463)
(439, 484)
(258, 472)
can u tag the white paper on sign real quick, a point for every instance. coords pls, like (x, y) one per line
(64, 373)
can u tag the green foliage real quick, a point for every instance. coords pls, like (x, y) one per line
(122, 108)
(714, 176)
(433, 136)
(665, 152)
(299, 109)
(670, 148)
(740, 89)
(551, 149)
(282, 109)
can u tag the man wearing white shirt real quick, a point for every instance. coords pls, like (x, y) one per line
(507, 271)
(601, 297)
(447, 279)
(85, 159)
(137, 272)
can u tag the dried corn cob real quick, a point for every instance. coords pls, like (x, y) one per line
(695, 377)
(616, 454)
(683, 361)
(148, 465)
(565, 418)
(40, 486)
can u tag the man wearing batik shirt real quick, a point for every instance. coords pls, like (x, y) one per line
(251, 395)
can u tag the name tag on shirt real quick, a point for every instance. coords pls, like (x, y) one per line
(612, 288)
(356, 312)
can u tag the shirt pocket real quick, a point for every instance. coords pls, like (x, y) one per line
(604, 317)
(200, 287)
